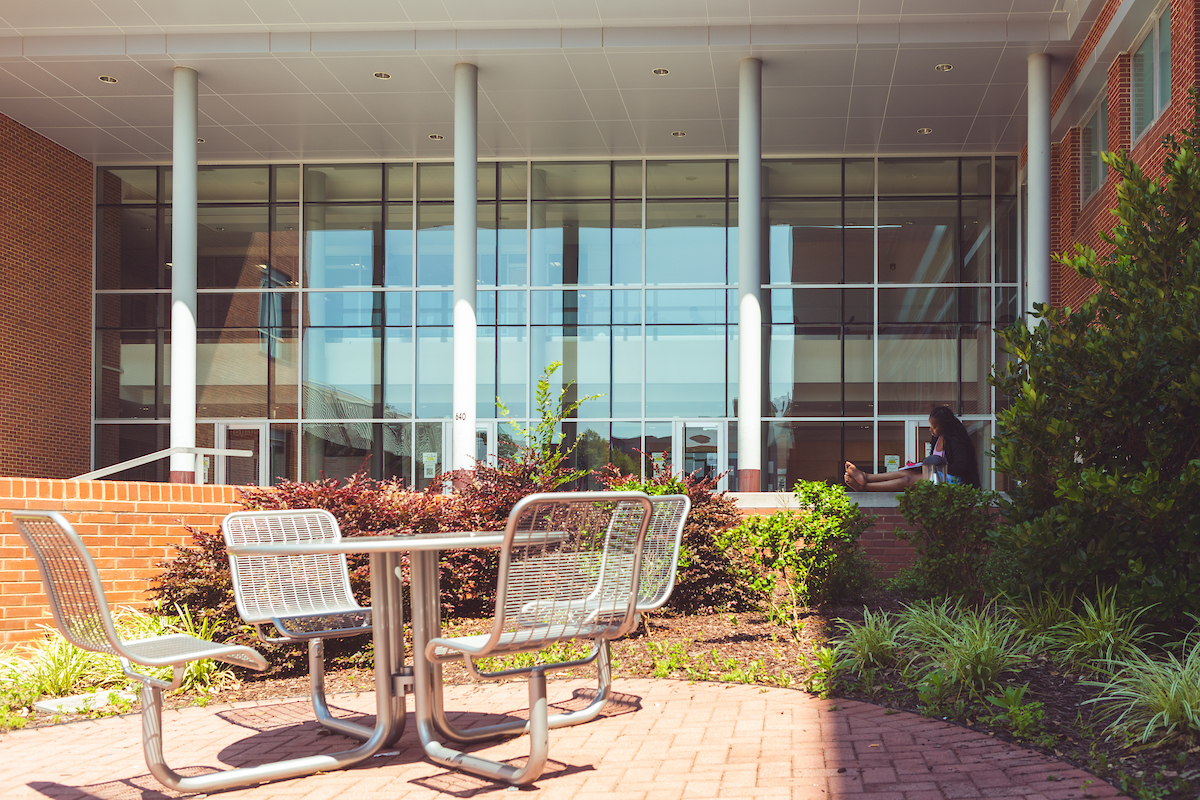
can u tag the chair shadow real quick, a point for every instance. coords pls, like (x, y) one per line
(288, 730)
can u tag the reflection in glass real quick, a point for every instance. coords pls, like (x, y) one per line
(571, 180)
(341, 243)
(343, 309)
(486, 222)
(627, 306)
(485, 373)
(585, 307)
(859, 371)
(435, 245)
(512, 259)
(627, 180)
(976, 366)
(918, 368)
(117, 443)
(976, 240)
(232, 371)
(400, 182)
(685, 306)
(626, 441)
(591, 442)
(627, 355)
(1007, 227)
(804, 243)
(859, 236)
(129, 185)
(810, 451)
(513, 370)
(806, 178)
(917, 241)
(398, 453)
(337, 449)
(285, 247)
(804, 371)
(397, 308)
(585, 354)
(287, 183)
(343, 182)
(435, 308)
(398, 246)
(918, 304)
(666, 179)
(284, 453)
(674, 386)
(428, 452)
(913, 176)
(627, 244)
(233, 184)
(232, 248)
(130, 310)
(435, 372)
(658, 446)
(341, 368)
(126, 378)
(398, 362)
(977, 176)
(685, 242)
(571, 243)
(1006, 175)
(127, 251)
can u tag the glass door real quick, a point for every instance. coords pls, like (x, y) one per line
(699, 448)
(239, 470)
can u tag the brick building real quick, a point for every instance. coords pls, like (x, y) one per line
(343, 314)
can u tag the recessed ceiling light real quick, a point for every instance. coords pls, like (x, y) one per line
(944, 67)
(437, 137)
(220, 229)
(678, 134)
(924, 131)
(383, 76)
(662, 71)
(289, 227)
(107, 79)
(199, 140)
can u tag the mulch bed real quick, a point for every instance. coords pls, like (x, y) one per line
(747, 647)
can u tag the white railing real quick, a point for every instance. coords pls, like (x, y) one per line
(198, 452)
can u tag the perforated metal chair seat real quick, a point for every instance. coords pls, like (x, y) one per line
(180, 648)
(521, 641)
(330, 623)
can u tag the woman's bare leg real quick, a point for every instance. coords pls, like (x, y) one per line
(896, 481)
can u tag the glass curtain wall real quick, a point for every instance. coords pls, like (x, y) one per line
(325, 307)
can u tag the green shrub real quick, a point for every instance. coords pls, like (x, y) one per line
(952, 522)
(972, 648)
(873, 644)
(1100, 434)
(1100, 631)
(808, 556)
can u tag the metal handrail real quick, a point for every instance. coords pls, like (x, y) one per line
(161, 454)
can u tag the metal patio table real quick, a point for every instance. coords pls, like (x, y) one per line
(391, 674)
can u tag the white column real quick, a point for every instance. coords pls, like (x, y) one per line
(749, 414)
(466, 156)
(1037, 259)
(183, 275)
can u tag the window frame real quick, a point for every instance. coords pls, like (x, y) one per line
(1098, 113)
(1158, 103)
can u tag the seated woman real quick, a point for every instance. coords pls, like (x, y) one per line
(951, 441)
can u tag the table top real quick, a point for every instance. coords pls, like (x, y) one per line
(449, 540)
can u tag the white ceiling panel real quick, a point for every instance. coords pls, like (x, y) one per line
(869, 101)
(1003, 99)
(12, 86)
(435, 110)
(524, 13)
(619, 134)
(688, 70)
(971, 65)
(351, 109)
(605, 104)
(808, 132)
(708, 133)
(592, 71)
(864, 131)
(808, 68)
(30, 18)
(797, 101)
(313, 73)
(671, 103)
(874, 67)
(496, 106)
(217, 110)
(36, 76)
(209, 15)
(294, 109)
(35, 112)
(550, 137)
(132, 78)
(880, 7)
(948, 132)
(409, 73)
(916, 101)
(543, 72)
(229, 76)
(100, 112)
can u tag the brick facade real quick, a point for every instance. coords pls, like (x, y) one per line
(129, 528)
(1082, 221)
(45, 294)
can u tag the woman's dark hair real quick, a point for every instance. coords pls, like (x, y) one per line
(960, 450)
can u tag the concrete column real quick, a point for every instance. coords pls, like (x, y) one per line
(749, 413)
(183, 275)
(1037, 259)
(466, 213)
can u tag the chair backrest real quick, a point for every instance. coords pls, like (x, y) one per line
(281, 586)
(571, 562)
(660, 555)
(71, 581)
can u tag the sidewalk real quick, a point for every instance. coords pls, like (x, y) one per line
(659, 740)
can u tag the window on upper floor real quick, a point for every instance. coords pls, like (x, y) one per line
(1151, 73)
(1092, 142)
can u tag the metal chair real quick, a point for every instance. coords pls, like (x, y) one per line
(570, 568)
(305, 598)
(81, 614)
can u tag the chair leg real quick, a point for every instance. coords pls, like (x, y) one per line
(518, 727)
(316, 681)
(152, 748)
(539, 742)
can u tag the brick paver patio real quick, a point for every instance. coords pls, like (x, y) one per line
(660, 740)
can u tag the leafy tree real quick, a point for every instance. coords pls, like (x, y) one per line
(1102, 434)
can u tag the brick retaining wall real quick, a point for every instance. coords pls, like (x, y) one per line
(128, 528)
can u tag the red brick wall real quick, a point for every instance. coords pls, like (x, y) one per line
(1083, 221)
(45, 297)
(127, 527)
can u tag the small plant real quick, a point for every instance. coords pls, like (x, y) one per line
(666, 659)
(570, 650)
(874, 643)
(1154, 699)
(827, 665)
(1102, 630)
(1039, 613)
(1023, 719)
(952, 524)
(805, 556)
(973, 647)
